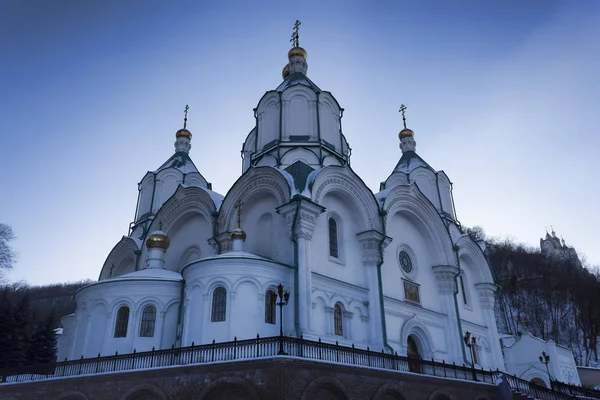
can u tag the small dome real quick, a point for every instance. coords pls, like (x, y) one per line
(406, 133)
(158, 239)
(297, 51)
(238, 234)
(286, 71)
(184, 133)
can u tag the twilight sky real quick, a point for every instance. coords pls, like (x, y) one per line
(501, 96)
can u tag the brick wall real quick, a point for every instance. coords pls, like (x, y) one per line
(265, 379)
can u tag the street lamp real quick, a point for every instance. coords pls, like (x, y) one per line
(545, 359)
(284, 298)
(471, 341)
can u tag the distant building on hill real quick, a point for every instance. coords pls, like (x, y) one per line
(552, 246)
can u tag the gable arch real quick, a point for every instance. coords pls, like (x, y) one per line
(389, 391)
(124, 250)
(254, 181)
(230, 387)
(185, 201)
(342, 180)
(477, 262)
(410, 201)
(191, 254)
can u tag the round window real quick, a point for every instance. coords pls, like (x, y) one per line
(406, 262)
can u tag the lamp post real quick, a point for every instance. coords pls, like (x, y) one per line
(545, 359)
(284, 298)
(471, 341)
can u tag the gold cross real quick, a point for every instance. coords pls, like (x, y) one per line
(295, 37)
(402, 110)
(238, 205)
(185, 115)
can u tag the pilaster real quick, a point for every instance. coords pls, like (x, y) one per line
(487, 299)
(301, 217)
(370, 242)
(445, 276)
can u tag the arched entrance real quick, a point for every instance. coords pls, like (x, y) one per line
(539, 382)
(412, 352)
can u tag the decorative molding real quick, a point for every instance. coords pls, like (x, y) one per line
(444, 275)
(370, 241)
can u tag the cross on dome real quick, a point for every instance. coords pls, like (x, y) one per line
(402, 110)
(185, 115)
(295, 39)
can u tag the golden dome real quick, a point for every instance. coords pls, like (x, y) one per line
(297, 51)
(286, 71)
(158, 239)
(238, 234)
(406, 133)
(184, 133)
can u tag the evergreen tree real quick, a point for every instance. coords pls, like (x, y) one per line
(42, 344)
(6, 329)
(20, 334)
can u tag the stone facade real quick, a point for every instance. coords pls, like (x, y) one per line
(280, 378)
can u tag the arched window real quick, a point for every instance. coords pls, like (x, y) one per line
(333, 238)
(122, 322)
(270, 309)
(463, 291)
(219, 304)
(338, 323)
(148, 321)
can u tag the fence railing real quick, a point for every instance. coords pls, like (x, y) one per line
(268, 347)
(243, 350)
(577, 391)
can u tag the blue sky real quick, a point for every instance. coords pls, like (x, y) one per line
(501, 96)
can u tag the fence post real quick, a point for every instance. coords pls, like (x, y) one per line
(368, 356)
(353, 351)
(257, 345)
(114, 363)
(192, 352)
(319, 345)
(212, 358)
(234, 346)
(396, 360)
(152, 358)
(133, 359)
(444, 366)
(97, 362)
(337, 351)
(301, 354)
(172, 354)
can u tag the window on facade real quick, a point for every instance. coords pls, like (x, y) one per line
(122, 321)
(148, 321)
(270, 309)
(219, 304)
(462, 289)
(337, 320)
(333, 238)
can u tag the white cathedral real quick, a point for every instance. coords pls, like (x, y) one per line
(391, 270)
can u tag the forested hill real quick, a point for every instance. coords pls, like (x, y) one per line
(550, 297)
(28, 317)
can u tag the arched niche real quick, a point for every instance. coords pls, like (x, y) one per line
(324, 388)
(121, 259)
(415, 333)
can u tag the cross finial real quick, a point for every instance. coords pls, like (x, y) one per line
(295, 37)
(185, 115)
(402, 110)
(238, 206)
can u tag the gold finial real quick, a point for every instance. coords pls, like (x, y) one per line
(238, 205)
(295, 37)
(402, 110)
(185, 115)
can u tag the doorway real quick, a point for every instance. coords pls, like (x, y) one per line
(414, 357)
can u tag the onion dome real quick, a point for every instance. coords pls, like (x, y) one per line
(158, 239)
(286, 71)
(183, 133)
(406, 133)
(297, 51)
(238, 233)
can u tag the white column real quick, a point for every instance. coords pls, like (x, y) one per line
(301, 216)
(487, 292)
(370, 247)
(445, 277)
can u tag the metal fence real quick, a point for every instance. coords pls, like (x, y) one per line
(268, 347)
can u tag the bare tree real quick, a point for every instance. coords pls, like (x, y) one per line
(7, 255)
